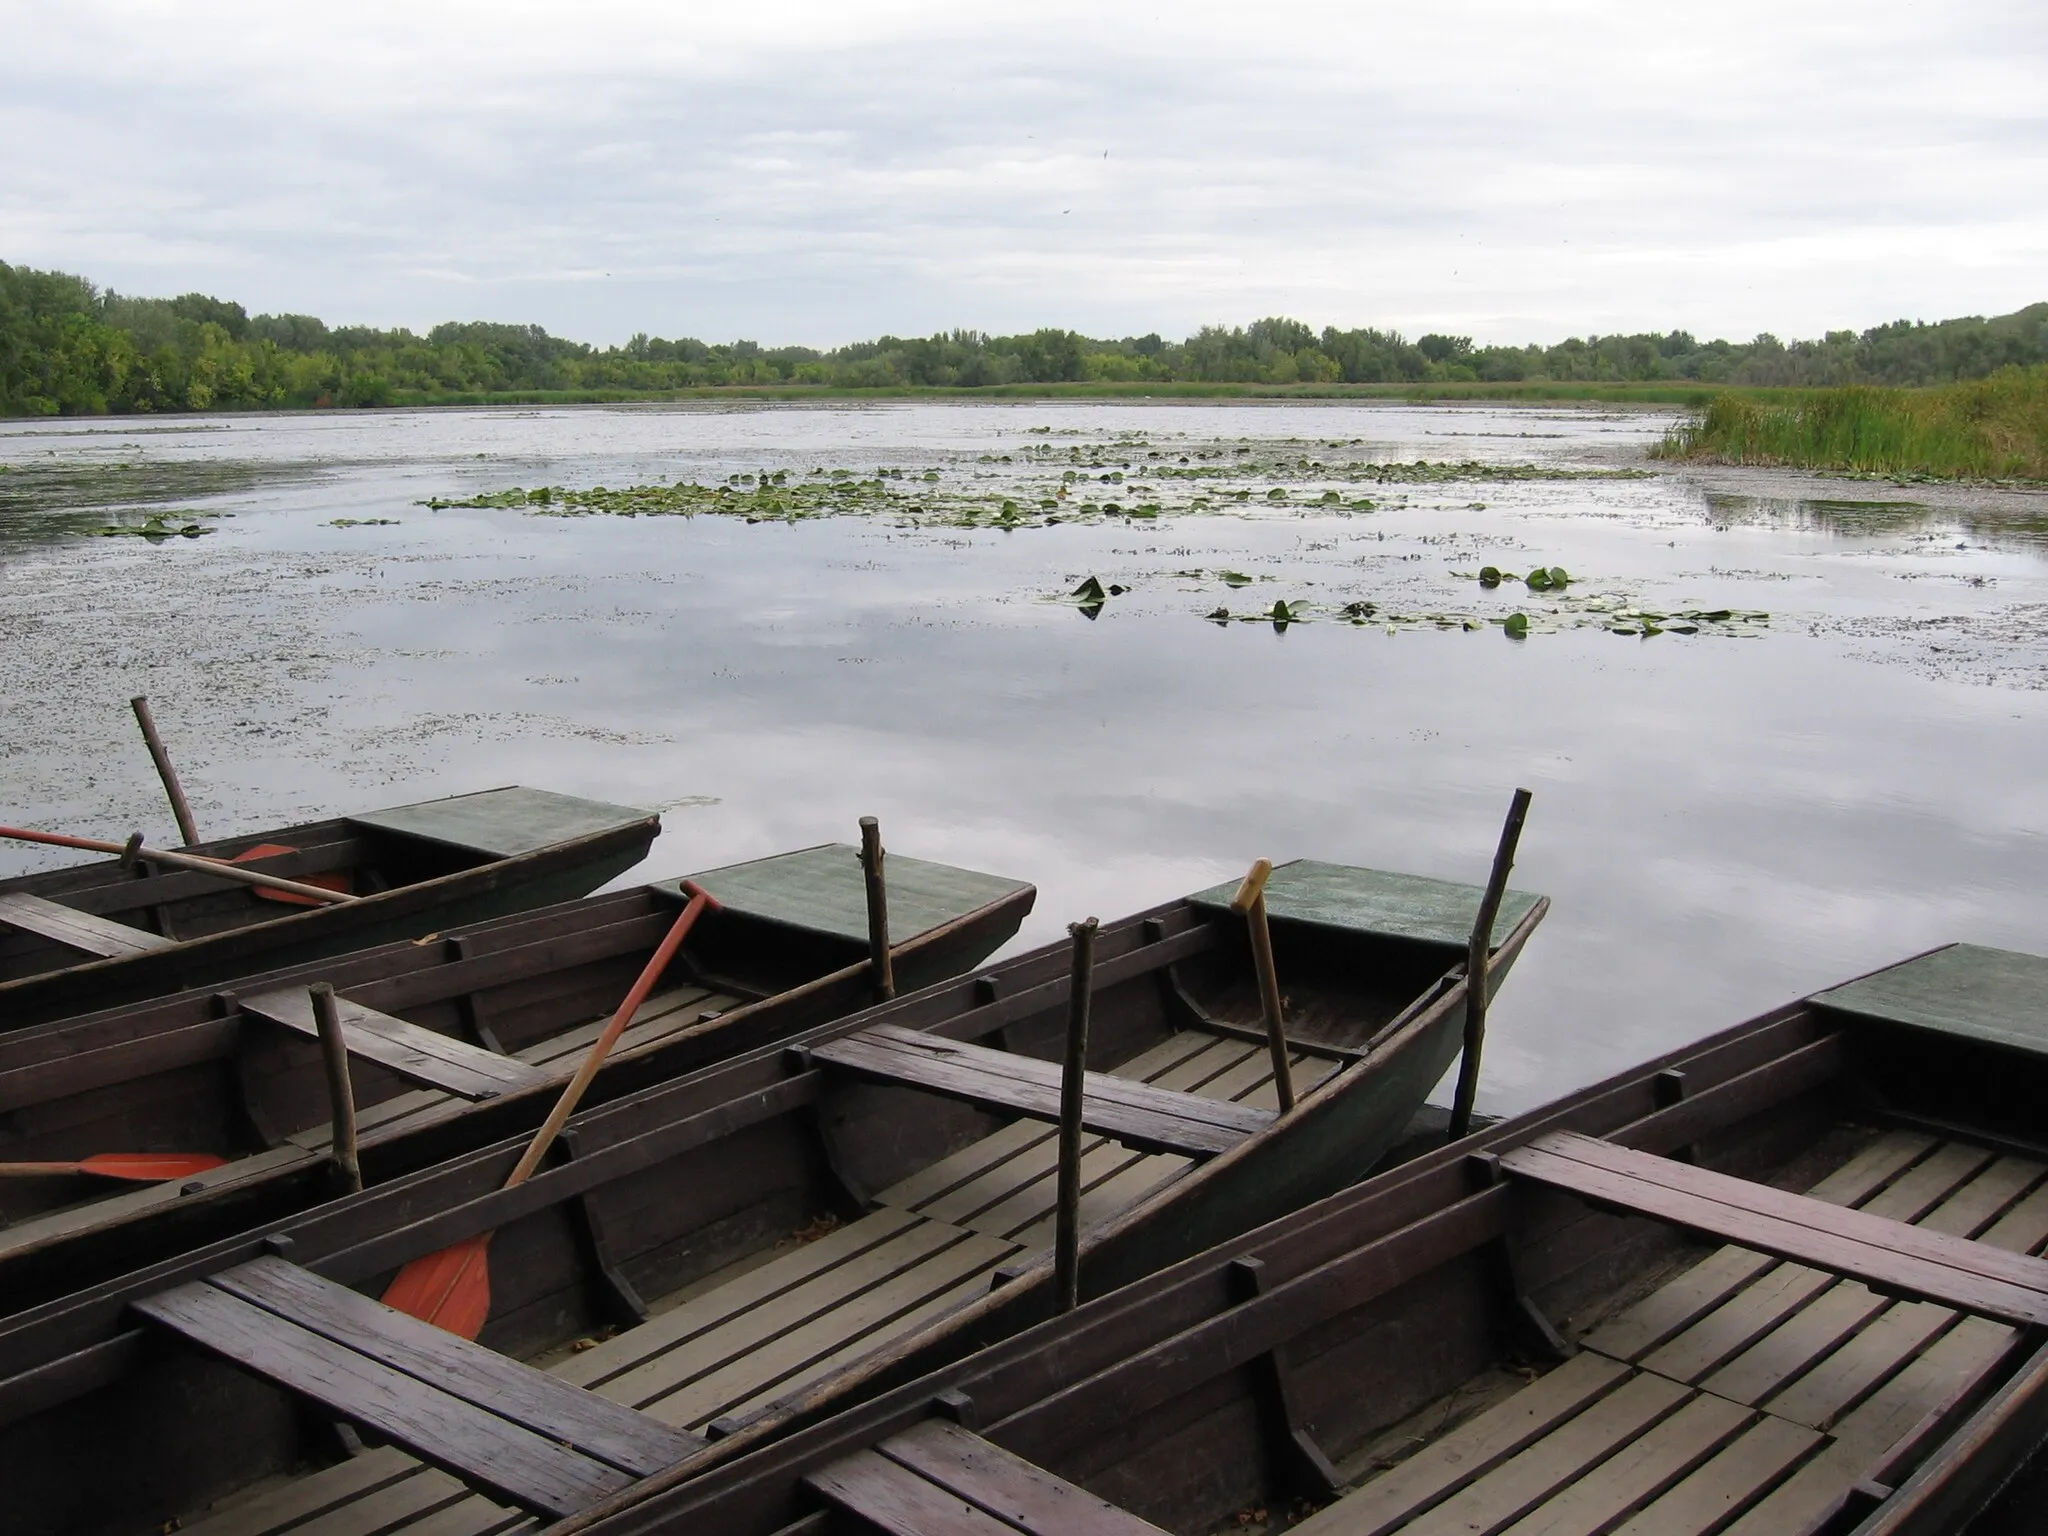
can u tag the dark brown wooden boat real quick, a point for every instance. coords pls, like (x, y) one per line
(1780, 1282)
(454, 1043)
(102, 934)
(829, 1207)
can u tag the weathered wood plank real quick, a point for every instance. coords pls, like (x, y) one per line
(1732, 1478)
(853, 1324)
(1920, 1241)
(1523, 1481)
(1135, 1113)
(1772, 1292)
(894, 1499)
(421, 1055)
(74, 929)
(594, 1425)
(1006, 1486)
(481, 1448)
(1475, 1447)
(1809, 1332)
(1637, 1472)
(1860, 1251)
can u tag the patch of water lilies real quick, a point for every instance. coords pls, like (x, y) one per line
(156, 528)
(1099, 481)
(1612, 614)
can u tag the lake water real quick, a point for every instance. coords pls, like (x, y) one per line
(1725, 819)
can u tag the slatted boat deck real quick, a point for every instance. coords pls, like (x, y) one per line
(1741, 1398)
(554, 1058)
(750, 1334)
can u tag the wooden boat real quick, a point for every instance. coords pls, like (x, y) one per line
(101, 934)
(453, 1043)
(833, 1199)
(1780, 1282)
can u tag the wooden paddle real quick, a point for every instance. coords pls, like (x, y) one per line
(452, 1288)
(134, 850)
(142, 1167)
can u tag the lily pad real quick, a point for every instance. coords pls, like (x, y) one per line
(1516, 626)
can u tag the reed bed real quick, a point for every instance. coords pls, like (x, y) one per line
(1993, 428)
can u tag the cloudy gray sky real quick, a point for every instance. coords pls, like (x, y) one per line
(820, 172)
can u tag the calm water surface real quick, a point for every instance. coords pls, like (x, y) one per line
(1725, 819)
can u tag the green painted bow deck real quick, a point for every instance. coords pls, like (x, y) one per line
(734, 1253)
(100, 935)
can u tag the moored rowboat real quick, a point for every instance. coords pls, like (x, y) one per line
(98, 935)
(1783, 1281)
(453, 1043)
(823, 1210)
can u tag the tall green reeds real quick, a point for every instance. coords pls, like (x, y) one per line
(1987, 429)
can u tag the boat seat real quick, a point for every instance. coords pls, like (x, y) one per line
(940, 1480)
(513, 1432)
(416, 1054)
(84, 931)
(1887, 1256)
(1139, 1115)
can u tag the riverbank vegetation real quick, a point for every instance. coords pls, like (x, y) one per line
(1993, 428)
(69, 347)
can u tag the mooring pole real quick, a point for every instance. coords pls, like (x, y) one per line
(1477, 981)
(878, 908)
(180, 807)
(1073, 1084)
(341, 1094)
(1251, 901)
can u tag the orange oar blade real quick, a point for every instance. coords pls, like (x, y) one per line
(450, 1289)
(149, 1167)
(142, 1167)
(333, 881)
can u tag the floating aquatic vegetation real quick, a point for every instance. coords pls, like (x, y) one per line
(363, 522)
(155, 528)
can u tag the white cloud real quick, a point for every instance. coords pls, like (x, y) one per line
(809, 172)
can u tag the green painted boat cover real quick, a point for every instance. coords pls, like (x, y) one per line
(1377, 902)
(503, 823)
(823, 889)
(1997, 995)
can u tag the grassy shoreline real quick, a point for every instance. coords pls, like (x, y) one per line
(1986, 429)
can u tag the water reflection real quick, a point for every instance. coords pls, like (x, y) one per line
(2016, 526)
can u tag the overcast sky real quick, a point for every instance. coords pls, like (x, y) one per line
(799, 172)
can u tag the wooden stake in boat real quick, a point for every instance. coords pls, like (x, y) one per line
(452, 1288)
(341, 1094)
(132, 850)
(180, 807)
(1477, 982)
(1251, 901)
(1073, 1086)
(878, 908)
(140, 1167)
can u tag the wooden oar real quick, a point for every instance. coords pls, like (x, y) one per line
(142, 1167)
(1250, 900)
(452, 1288)
(200, 862)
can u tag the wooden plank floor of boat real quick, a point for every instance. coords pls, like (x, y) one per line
(1741, 1397)
(758, 1330)
(557, 1056)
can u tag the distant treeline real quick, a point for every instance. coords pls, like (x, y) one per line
(67, 346)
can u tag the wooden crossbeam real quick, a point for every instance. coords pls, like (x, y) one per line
(416, 1054)
(1889, 1256)
(937, 1479)
(1138, 1114)
(505, 1428)
(82, 931)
